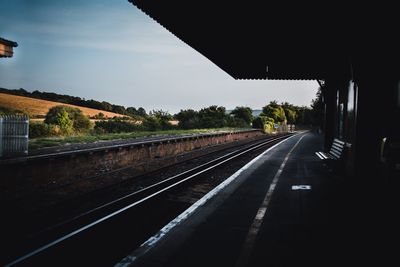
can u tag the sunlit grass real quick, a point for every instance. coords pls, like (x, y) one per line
(38, 107)
(42, 142)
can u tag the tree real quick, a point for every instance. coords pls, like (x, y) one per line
(161, 114)
(51, 115)
(131, 111)
(118, 109)
(188, 119)
(274, 111)
(56, 115)
(64, 122)
(304, 116)
(236, 122)
(115, 126)
(99, 116)
(162, 117)
(244, 113)
(152, 123)
(290, 112)
(290, 115)
(106, 106)
(213, 117)
(265, 123)
(317, 106)
(81, 123)
(141, 112)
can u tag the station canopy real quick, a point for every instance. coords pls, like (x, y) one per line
(278, 39)
(6, 47)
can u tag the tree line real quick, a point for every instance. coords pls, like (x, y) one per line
(210, 117)
(65, 120)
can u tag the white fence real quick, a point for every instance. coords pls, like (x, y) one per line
(14, 131)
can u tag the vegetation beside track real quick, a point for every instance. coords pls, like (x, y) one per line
(43, 142)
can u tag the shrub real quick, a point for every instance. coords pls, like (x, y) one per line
(81, 123)
(115, 126)
(244, 113)
(66, 124)
(265, 123)
(100, 116)
(152, 124)
(39, 129)
(237, 122)
(69, 119)
(275, 111)
(188, 119)
(212, 117)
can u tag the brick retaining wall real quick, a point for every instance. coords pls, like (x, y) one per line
(44, 172)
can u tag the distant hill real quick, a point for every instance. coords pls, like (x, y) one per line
(78, 101)
(38, 107)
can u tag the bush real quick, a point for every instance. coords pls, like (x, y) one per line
(188, 119)
(63, 120)
(152, 124)
(265, 123)
(69, 119)
(275, 111)
(212, 117)
(38, 130)
(52, 114)
(99, 116)
(115, 126)
(237, 122)
(81, 123)
(243, 113)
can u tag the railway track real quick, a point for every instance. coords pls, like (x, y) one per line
(136, 216)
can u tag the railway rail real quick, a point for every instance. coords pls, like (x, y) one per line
(67, 240)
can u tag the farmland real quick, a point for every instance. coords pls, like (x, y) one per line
(38, 108)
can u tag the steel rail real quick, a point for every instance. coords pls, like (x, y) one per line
(148, 188)
(214, 163)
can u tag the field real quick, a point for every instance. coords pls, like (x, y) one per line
(38, 108)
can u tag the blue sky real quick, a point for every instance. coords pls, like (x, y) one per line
(109, 50)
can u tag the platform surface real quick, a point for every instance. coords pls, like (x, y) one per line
(308, 217)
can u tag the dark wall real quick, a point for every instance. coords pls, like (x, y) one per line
(48, 173)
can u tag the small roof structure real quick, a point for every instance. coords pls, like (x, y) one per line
(6, 47)
(280, 39)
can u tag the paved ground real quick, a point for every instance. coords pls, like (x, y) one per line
(338, 221)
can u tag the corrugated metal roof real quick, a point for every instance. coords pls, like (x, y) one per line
(258, 40)
(8, 42)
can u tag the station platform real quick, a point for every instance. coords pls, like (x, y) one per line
(285, 208)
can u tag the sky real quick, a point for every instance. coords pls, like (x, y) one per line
(108, 50)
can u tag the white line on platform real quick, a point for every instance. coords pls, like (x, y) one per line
(301, 187)
(255, 226)
(147, 245)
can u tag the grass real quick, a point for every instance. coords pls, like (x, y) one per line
(38, 107)
(42, 142)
